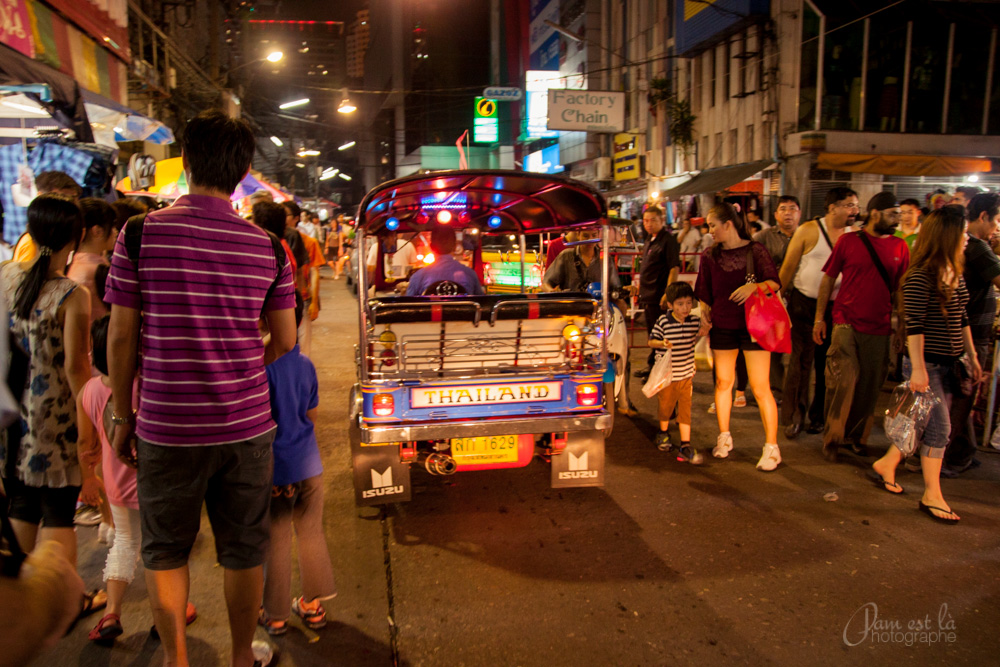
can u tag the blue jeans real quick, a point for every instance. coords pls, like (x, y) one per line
(944, 383)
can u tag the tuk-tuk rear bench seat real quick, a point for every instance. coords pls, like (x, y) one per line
(475, 309)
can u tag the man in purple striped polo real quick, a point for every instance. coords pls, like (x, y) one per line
(202, 280)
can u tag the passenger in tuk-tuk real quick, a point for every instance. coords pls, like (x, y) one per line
(578, 266)
(445, 269)
(388, 261)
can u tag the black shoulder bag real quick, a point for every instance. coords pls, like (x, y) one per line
(878, 262)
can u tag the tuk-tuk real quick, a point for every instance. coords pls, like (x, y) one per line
(450, 382)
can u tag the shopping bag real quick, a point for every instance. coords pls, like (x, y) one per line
(907, 416)
(659, 376)
(768, 322)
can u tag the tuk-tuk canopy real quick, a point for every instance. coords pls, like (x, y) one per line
(490, 200)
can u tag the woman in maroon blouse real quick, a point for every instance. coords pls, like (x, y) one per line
(723, 285)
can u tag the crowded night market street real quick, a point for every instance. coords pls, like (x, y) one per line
(499, 332)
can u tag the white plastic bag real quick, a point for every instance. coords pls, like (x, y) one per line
(659, 376)
(907, 416)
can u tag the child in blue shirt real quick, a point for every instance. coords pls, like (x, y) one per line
(297, 497)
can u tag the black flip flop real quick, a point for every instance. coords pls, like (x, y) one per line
(89, 606)
(928, 510)
(881, 483)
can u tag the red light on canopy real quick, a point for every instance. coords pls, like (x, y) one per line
(444, 216)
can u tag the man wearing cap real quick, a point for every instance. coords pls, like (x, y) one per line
(870, 264)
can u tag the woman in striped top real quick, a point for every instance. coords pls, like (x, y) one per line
(937, 333)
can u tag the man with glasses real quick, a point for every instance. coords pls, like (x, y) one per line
(870, 264)
(801, 274)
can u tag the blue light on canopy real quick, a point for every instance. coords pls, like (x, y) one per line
(494, 221)
(392, 224)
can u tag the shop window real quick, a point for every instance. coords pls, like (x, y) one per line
(734, 147)
(886, 67)
(810, 61)
(927, 75)
(749, 143)
(968, 79)
(727, 64)
(842, 77)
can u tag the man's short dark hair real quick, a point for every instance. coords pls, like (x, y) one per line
(57, 181)
(655, 210)
(678, 290)
(292, 208)
(783, 199)
(443, 240)
(986, 202)
(968, 190)
(218, 149)
(125, 209)
(838, 194)
(910, 202)
(270, 217)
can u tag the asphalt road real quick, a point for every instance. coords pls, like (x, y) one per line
(669, 564)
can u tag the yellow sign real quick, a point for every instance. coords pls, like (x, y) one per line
(626, 157)
(486, 108)
(692, 7)
(485, 394)
(488, 449)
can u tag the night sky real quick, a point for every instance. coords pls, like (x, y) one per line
(319, 10)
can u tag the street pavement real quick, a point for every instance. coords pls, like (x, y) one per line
(669, 564)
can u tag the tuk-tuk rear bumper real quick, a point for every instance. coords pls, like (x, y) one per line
(379, 434)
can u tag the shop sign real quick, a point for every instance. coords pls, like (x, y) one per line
(15, 29)
(626, 157)
(586, 110)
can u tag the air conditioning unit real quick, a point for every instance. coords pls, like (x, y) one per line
(602, 169)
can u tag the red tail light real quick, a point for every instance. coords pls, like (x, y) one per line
(587, 394)
(384, 404)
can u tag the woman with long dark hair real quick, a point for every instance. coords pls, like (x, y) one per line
(937, 334)
(726, 280)
(50, 319)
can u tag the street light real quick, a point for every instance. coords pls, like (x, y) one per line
(307, 152)
(349, 144)
(277, 142)
(272, 57)
(345, 105)
(344, 176)
(294, 103)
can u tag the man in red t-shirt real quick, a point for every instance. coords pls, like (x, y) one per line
(871, 264)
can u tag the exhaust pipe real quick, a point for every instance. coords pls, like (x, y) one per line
(440, 464)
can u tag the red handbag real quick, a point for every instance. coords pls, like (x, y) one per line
(766, 317)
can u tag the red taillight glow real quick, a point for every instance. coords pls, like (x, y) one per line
(384, 404)
(586, 394)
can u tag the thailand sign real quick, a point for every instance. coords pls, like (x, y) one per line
(586, 110)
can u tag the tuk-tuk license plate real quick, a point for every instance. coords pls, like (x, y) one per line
(486, 449)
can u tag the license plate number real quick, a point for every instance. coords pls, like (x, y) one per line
(485, 449)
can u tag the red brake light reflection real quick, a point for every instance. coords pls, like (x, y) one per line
(384, 405)
(586, 394)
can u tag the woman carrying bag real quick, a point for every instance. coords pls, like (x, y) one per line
(937, 336)
(729, 272)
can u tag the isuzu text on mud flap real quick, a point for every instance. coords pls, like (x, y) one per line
(452, 380)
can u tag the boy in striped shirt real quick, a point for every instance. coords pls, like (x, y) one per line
(677, 330)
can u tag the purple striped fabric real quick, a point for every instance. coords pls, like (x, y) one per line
(203, 276)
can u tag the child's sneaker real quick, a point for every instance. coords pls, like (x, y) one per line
(312, 613)
(723, 445)
(273, 626)
(689, 454)
(740, 401)
(769, 458)
(663, 441)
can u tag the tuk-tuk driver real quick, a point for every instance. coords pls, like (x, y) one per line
(444, 268)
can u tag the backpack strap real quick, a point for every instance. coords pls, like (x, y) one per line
(133, 237)
(279, 260)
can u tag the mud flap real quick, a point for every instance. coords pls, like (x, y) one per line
(581, 463)
(380, 477)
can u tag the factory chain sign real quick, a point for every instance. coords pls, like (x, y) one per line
(586, 110)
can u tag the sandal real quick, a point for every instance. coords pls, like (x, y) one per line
(273, 626)
(190, 615)
(930, 509)
(93, 601)
(313, 614)
(106, 629)
(886, 486)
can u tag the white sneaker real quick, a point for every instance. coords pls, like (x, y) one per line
(770, 458)
(723, 445)
(263, 654)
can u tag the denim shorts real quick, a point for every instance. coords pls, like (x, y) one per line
(42, 505)
(731, 339)
(233, 481)
(944, 383)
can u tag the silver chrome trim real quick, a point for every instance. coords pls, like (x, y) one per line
(470, 429)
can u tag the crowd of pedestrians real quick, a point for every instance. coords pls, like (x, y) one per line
(896, 282)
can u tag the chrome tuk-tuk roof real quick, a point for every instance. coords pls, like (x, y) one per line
(491, 200)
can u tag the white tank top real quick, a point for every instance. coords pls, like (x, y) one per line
(810, 272)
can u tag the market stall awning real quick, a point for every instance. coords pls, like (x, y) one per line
(66, 105)
(903, 165)
(113, 122)
(714, 180)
